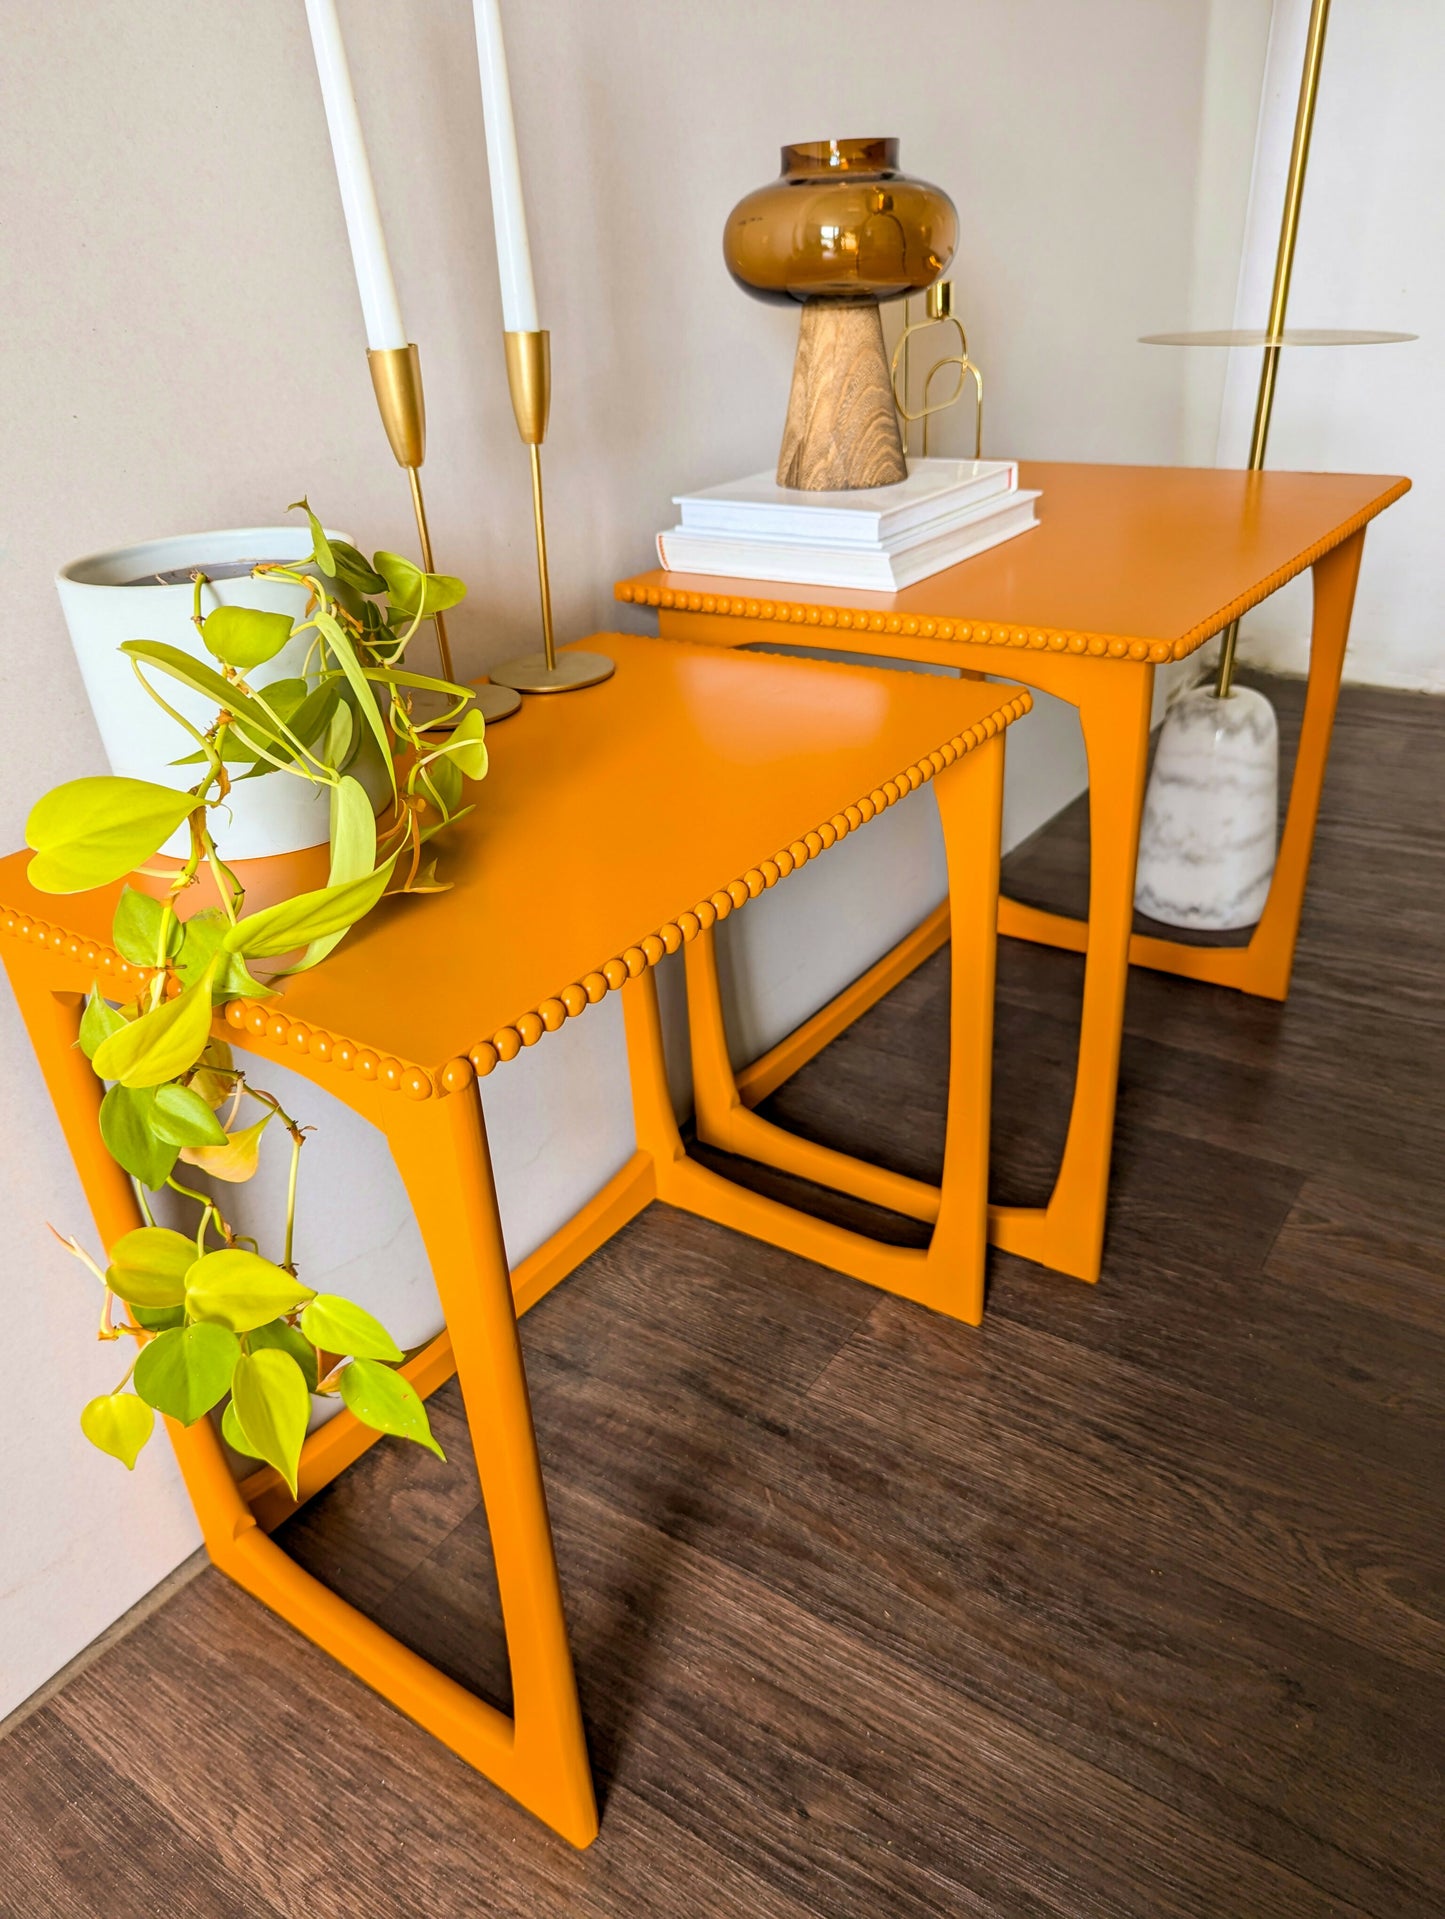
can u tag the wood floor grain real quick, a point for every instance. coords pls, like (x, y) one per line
(1131, 1602)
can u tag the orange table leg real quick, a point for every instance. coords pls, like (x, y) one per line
(1263, 967)
(1113, 699)
(539, 1755)
(949, 1274)
(1068, 1234)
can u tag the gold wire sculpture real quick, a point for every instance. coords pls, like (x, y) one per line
(938, 305)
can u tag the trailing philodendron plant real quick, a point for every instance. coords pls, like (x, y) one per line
(213, 1317)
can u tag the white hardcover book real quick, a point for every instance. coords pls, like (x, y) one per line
(758, 508)
(799, 563)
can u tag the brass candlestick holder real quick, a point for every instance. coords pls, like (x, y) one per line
(529, 376)
(396, 379)
(938, 311)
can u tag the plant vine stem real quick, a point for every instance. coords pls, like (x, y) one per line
(124, 1381)
(324, 775)
(297, 1140)
(232, 893)
(209, 1205)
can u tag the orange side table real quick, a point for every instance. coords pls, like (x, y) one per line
(615, 826)
(1129, 568)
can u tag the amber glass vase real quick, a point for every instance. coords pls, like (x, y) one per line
(840, 230)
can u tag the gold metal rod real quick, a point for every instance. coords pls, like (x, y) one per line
(544, 584)
(1283, 268)
(907, 329)
(423, 534)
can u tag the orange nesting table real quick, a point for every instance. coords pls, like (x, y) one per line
(616, 826)
(1129, 569)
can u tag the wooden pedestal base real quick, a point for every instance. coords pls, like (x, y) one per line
(842, 430)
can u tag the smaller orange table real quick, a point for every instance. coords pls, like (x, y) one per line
(616, 826)
(1128, 569)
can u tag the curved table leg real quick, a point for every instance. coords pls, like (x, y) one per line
(1068, 1234)
(1263, 967)
(949, 1274)
(539, 1756)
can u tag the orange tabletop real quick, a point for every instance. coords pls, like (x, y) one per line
(616, 825)
(606, 818)
(1136, 562)
(1130, 567)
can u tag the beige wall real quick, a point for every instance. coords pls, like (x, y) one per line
(180, 347)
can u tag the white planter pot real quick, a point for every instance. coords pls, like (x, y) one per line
(276, 813)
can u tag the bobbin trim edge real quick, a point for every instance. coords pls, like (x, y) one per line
(262, 1020)
(782, 612)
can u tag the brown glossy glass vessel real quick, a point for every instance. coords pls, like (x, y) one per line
(840, 230)
(842, 222)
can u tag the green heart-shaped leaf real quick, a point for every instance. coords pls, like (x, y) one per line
(237, 1156)
(353, 855)
(273, 1407)
(381, 1398)
(307, 917)
(89, 832)
(340, 1326)
(287, 1339)
(234, 1433)
(135, 931)
(185, 1372)
(244, 636)
(241, 1290)
(344, 654)
(413, 591)
(162, 1043)
(148, 1266)
(204, 932)
(183, 1118)
(320, 546)
(158, 1319)
(467, 745)
(98, 1021)
(126, 1114)
(119, 1424)
(443, 777)
(355, 568)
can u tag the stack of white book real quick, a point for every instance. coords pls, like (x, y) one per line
(876, 539)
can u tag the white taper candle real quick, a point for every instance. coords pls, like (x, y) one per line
(379, 306)
(514, 258)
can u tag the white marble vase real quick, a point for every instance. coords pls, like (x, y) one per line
(1208, 836)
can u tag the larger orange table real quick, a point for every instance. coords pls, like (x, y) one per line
(616, 826)
(1129, 569)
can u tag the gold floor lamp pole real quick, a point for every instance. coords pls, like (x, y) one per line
(1275, 337)
(529, 376)
(396, 378)
(1283, 266)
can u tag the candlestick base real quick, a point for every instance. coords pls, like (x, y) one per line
(495, 702)
(530, 673)
(492, 702)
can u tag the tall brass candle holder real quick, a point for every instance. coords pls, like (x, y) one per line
(396, 380)
(529, 376)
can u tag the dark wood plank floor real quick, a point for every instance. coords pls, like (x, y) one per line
(1128, 1603)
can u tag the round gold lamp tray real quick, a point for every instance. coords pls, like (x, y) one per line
(1291, 336)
